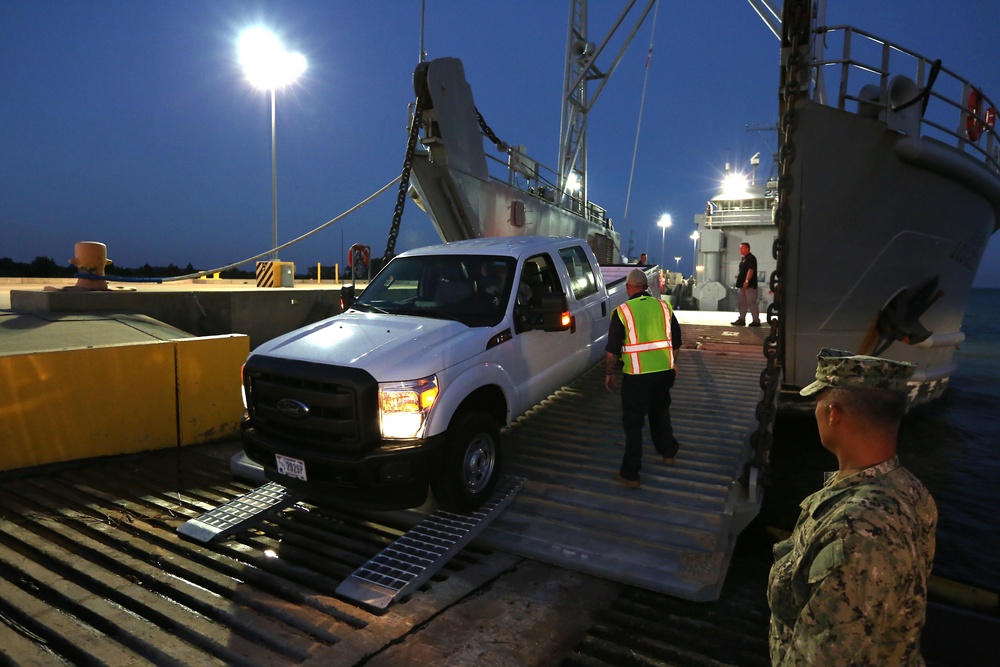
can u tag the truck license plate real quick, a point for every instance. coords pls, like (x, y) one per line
(291, 467)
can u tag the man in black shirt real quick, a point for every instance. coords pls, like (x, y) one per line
(746, 281)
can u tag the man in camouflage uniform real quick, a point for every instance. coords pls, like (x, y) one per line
(849, 587)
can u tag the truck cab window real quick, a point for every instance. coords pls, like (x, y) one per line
(536, 279)
(581, 273)
(471, 289)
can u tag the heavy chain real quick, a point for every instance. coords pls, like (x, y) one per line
(488, 131)
(795, 40)
(404, 181)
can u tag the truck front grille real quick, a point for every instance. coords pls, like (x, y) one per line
(316, 406)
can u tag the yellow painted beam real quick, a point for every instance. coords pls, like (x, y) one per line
(73, 404)
(208, 381)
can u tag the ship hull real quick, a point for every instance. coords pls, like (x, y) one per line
(874, 213)
(453, 184)
(463, 206)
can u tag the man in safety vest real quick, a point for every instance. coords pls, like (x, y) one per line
(645, 335)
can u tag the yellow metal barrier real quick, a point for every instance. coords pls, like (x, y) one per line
(275, 274)
(72, 404)
(208, 387)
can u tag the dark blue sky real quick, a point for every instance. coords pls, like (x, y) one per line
(130, 122)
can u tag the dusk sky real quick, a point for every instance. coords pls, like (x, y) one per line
(130, 122)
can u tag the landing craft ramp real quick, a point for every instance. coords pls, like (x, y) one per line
(676, 534)
(92, 568)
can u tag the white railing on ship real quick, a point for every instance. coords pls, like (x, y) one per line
(525, 174)
(947, 114)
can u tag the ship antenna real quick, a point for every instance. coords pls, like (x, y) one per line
(423, 10)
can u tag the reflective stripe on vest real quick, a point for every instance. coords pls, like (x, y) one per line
(648, 346)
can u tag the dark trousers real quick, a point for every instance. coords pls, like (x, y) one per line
(646, 395)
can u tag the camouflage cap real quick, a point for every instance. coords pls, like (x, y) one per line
(837, 368)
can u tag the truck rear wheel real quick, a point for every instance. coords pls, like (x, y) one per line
(471, 463)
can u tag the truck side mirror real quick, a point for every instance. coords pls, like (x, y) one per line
(347, 297)
(550, 313)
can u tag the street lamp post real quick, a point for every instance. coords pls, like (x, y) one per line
(268, 66)
(678, 260)
(663, 223)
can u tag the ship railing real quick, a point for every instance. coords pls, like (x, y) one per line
(739, 218)
(523, 173)
(955, 111)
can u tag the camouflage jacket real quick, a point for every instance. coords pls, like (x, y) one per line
(849, 587)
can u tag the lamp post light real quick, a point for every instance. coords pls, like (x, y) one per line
(663, 223)
(678, 260)
(694, 238)
(268, 66)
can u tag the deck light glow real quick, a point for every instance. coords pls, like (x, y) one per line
(734, 186)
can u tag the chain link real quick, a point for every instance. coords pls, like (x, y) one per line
(796, 21)
(488, 131)
(404, 181)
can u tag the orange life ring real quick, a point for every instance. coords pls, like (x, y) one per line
(973, 125)
(359, 249)
(990, 116)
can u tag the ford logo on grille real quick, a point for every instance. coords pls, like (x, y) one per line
(292, 408)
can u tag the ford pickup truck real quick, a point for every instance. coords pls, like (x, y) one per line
(410, 387)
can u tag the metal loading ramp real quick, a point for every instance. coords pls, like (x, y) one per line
(676, 534)
(239, 513)
(410, 561)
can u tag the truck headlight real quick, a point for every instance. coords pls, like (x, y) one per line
(243, 386)
(404, 406)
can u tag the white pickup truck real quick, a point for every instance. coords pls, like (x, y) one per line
(411, 386)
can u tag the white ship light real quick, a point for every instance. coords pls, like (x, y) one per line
(734, 186)
(404, 406)
(573, 182)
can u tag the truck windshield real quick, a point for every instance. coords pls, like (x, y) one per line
(473, 289)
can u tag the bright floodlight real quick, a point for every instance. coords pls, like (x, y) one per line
(573, 183)
(269, 66)
(664, 221)
(265, 61)
(734, 186)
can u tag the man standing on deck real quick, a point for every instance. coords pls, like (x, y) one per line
(849, 587)
(746, 281)
(644, 334)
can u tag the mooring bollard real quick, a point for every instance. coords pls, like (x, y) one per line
(91, 259)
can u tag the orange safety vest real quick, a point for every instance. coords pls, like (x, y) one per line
(648, 346)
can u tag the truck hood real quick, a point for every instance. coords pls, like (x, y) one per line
(390, 347)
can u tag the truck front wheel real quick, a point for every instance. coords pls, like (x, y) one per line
(471, 463)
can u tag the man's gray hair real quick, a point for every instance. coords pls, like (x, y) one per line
(637, 278)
